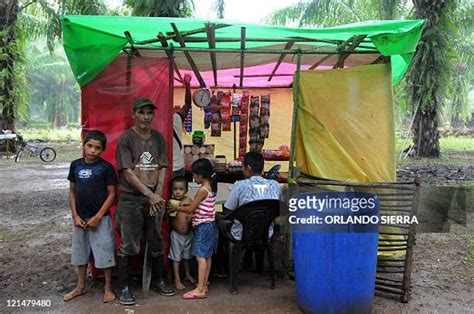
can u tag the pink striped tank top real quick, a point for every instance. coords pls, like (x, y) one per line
(206, 211)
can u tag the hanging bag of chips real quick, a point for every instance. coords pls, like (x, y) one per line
(254, 122)
(244, 105)
(264, 116)
(226, 103)
(215, 115)
(235, 107)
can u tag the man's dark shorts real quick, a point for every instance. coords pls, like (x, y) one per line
(179, 173)
(132, 219)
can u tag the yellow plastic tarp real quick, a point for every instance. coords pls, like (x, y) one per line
(345, 127)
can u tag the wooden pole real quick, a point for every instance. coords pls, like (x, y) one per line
(242, 55)
(296, 88)
(254, 50)
(288, 45)
(212, 44)
(192, 64)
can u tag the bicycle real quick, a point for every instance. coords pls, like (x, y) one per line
(46, 154)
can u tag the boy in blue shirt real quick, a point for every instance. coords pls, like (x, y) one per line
(91, 193)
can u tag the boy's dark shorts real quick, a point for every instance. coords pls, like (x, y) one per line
(133, 220)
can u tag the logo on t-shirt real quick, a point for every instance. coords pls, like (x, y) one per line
(260, 189)
(147, 158)
(85, 173)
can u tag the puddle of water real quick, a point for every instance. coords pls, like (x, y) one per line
(439, 206)
(62, 165)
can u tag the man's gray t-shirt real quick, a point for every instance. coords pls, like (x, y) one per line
(248, 190)
(145, 157)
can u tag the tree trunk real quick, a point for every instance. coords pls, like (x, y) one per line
(428, 77)
(8, 17)
(426, 133)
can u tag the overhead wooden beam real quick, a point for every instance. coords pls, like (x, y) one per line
(288, 45)
(164, 43)
(242, 54)
(131, 42)
(211, 35)
(314, 66)
(276, 40)
(188, 56)
(171, 35)
(311, 51)
(265, 75)
(352, 44)
(380, 59)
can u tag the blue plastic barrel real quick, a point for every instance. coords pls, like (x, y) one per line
(335, 272)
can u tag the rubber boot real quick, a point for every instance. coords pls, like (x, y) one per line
(125, 295)
(157, 275)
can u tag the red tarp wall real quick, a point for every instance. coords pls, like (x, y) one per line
(107, 103)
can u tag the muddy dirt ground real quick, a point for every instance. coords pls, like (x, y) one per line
(35, 239)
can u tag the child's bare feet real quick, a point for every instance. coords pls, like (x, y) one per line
(179, 285)
(109, 296)
(78, 291)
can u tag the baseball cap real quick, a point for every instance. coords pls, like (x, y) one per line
(142, 102)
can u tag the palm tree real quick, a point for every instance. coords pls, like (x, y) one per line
(324, 13)
(8, 55)
(53, 89)
(462, 27)
(430, 75)
(21, 21)
(163, 8)
(220, 8)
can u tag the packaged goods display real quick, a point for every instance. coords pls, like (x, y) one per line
(252, 112)
(195, 152)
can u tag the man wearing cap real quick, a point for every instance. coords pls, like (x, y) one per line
(142, 161)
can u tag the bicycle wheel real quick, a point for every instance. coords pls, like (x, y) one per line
(19, 154)
(47, 154)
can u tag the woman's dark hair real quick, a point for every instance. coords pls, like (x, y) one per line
(180, 179)
(96, 135)
(255, 161)
(204, 168)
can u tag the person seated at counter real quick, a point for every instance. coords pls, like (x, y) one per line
(254, 187)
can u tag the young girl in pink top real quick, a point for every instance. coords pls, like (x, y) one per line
(205, 230)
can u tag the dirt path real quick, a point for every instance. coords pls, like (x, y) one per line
(35, 262)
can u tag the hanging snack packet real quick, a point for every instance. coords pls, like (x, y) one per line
(244, 104)
(265, 116)
(215, 115)
(235, 107)
(226, 103)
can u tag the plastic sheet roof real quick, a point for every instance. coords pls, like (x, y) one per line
(92, 42)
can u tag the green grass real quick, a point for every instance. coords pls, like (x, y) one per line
(457, 143)
(50, 134)
(469, 257)
(447, 144)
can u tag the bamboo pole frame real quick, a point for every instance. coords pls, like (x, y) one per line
(296, 87)
(341, 48)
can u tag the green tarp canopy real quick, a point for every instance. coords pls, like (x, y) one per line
(92, 42)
